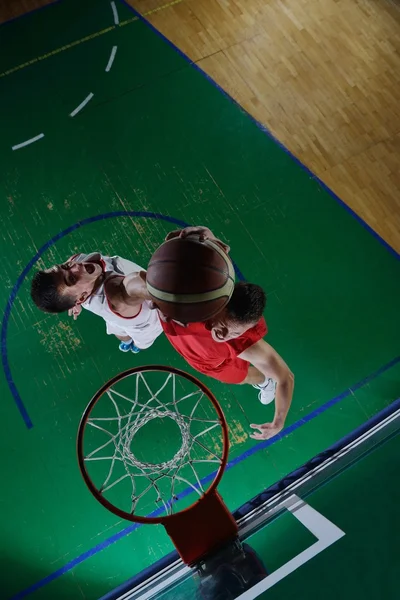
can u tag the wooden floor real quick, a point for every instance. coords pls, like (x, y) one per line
(10, 9)
(322, 75)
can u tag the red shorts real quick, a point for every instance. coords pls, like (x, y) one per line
(219, 360)
(232, 370)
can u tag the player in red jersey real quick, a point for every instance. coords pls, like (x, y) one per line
(230, 347)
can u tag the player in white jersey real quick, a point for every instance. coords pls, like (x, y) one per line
(111, 287)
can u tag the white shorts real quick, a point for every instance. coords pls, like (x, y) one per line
(142, 337)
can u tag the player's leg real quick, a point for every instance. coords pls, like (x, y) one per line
(239, 371)
(265, 385)
(254, 376)
(146, 333)
(127, 344)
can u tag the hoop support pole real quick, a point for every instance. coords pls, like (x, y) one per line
(202, 529)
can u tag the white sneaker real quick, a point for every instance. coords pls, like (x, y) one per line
(266, 395)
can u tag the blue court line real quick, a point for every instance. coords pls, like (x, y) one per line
(292, 477)
(259, 446)
(265, 130)
(262, 497)
(10, 302)
(232, 463)
(81, 558)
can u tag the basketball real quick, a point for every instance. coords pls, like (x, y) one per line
(190, 280)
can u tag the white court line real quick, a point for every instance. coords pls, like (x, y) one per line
(34, 139)
(82, 104)
(111, 59)
(154, 589)
(279, 500)
(115, 13)
(324, 530)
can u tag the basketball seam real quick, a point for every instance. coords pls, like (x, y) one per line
(220, 294)
(194, 301)
(205, 266)
(192, 298)
(229, 278)
(225, 257)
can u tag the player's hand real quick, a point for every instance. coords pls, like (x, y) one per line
(266, 430)
(204, 233)
(75, 311)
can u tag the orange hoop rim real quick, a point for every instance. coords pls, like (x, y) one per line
(81, 430)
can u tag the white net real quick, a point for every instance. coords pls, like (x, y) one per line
(151, 439)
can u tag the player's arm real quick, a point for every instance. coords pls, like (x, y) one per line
(204, 233)
(134, 288)
(267, 360)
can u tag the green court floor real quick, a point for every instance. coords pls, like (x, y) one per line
(339, 540)
(363, 502)
(156, 145)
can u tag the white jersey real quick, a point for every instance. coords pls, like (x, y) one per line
(144, 327)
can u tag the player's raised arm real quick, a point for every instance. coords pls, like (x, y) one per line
(267, 360)
(134, 288)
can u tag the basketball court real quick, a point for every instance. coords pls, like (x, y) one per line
(111, 138)
(329, 529)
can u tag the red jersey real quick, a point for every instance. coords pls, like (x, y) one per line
(215, 359)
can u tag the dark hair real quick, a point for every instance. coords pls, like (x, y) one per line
(46, 295)
(247, 303)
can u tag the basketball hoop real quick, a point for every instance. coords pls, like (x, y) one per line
(132, 475)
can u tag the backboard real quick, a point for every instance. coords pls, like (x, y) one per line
(279, 531)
